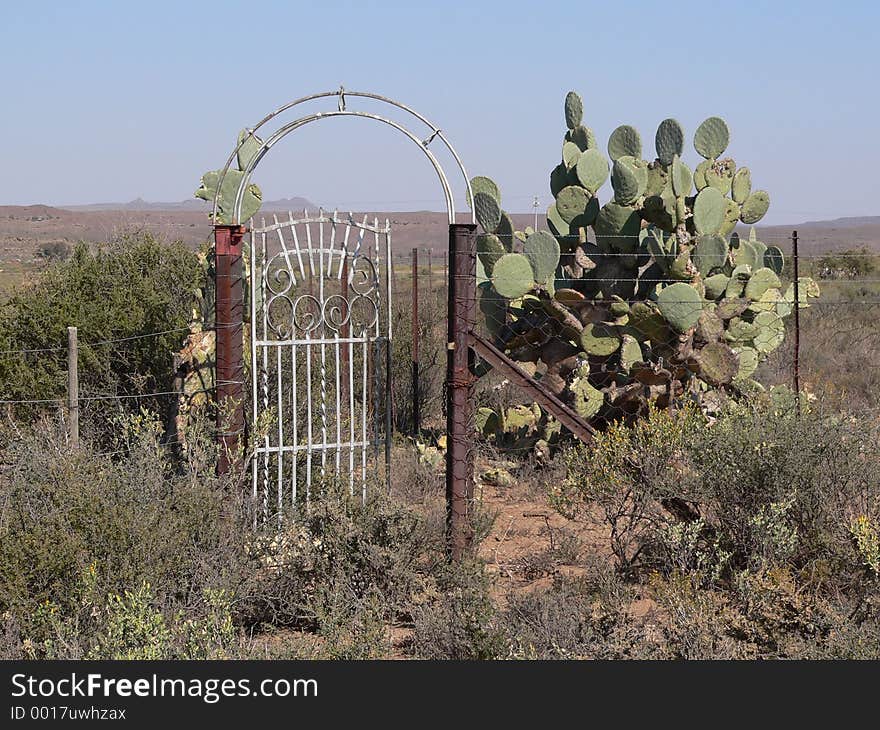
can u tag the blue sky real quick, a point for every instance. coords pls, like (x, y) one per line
(108, 101)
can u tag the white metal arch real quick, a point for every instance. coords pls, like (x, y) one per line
(436, 133)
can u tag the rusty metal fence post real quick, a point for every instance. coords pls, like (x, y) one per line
(416, 411)
(797, 320)
(459, 389)
(229, 323)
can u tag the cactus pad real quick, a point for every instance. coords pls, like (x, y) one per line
(482, 184)
(542, 251)
(617, 227)
(599, 339)
(570, 154)
(251, 200)
(709, 253)
(709, 207)
(592, 170)
(741, 187)
(625, 182)
(572, 202)
(489, 249)
(748, 362)
(760, 281)
(682, 178)
(719, 364)
(755, 207)
(487, 211)
(774, 259)
(487, 421)
(625, 140)
(512, 275)
(669, 140)
(771, 331)
(557, 225)
(249, 146)
(715, 285)
(574, 109)
(680, 305)
(583, 137)
(712, 138)
(587, 399)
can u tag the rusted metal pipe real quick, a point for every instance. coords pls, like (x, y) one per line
(416, 411)
(797, 320)
(228, 322)
(459, 389)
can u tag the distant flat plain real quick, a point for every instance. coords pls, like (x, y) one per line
(24, 230)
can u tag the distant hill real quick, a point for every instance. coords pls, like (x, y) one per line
(141, 205)
(851, 222)
(24, 229)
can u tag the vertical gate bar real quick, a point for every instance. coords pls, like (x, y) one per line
(280, 395)
(375, 345)
(343, 291)
(459, 389)
(416, 415)
(308, 347)
(299, 258)
(295, 416)
(308, 228)
(364, 390)
(343, 259)
(797, 319)
(332, 244)
(282, 242)
(228, 324)
(322, 332)
(351, 419)
(338, 380)
(389, 426)
(264, 375)
(256, 281)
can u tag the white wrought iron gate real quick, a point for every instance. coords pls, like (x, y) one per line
(320, 355)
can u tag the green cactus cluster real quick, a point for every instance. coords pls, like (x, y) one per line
(248, 146)
(652, 295)
(519, 428)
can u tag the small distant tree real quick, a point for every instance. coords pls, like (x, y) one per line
(54, 251)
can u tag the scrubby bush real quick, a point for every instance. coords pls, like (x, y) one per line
(132, 286)
(757, 534)
(146, 553)
(79, 528)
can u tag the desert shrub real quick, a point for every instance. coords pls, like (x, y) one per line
(459, 620)
(339, 556)
(760, 487)
(585, 617)
(757, 534)
(635, 477)
(132, 286)
(54, 251)
(78, 528)
(848, 264)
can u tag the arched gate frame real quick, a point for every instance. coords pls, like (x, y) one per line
(229, 240)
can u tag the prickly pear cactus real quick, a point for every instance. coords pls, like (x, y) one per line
(248, 146)
(649, 297)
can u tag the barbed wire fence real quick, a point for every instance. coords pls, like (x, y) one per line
(839, 337)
